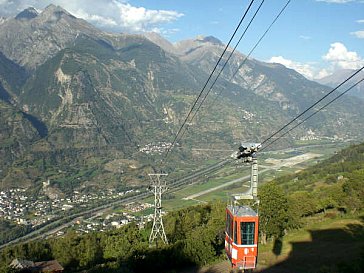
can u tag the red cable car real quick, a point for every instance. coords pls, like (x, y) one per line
(241, 240)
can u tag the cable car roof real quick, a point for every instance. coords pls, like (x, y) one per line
(241, 211)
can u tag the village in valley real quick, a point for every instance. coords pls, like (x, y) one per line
(20, 209)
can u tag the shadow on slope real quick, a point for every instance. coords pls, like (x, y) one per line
(39, 125)
(329, 251)
(166, 259)
(4, 95)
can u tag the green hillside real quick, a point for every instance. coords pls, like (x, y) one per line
(336, 182)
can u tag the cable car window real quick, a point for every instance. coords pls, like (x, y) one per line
(231, 227)
(227, 223)
(236, 233)
(247, 233)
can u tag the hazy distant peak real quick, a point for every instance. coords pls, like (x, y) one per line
(337, 77)
(54, 8)
(55, 11)
(186, 47)
(209, 39)
(160, 41)
(27, 14)
(29, 39)
(153, 35)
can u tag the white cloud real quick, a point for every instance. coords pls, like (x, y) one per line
(339, 57)
(304, 37)
(112, 15)
(360, 21)
(323, 73)
(141, 19)
(96, 19)
(359, 34)
(305, 69)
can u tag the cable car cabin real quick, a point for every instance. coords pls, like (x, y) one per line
(241, 240)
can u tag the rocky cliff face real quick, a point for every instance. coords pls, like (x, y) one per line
(79, 98)
(30, 39)
(270, 81)
(275, 83)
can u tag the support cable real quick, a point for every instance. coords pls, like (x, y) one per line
(226, 62)
(314, 113)
(313, 105)
(203, 89)
(245, 59)
(252, 50)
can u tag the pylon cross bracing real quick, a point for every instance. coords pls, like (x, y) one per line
(157, 187)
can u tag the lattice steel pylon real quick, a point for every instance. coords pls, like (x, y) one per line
(248, 154)
(157, 187)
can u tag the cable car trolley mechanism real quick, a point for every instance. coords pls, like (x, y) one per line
(241, 233)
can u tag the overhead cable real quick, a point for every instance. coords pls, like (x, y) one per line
(313, 105)
(246, 57)
(203, 89)
(314, 113)
(226, 62)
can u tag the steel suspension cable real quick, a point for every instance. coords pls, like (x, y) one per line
(313, 105)
(251, 51)
(203, 89)
(230, 55)
(226, 62)
(314, 113)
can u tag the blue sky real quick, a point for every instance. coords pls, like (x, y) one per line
(315, 37)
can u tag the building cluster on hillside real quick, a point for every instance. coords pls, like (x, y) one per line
(312, 135)
(156, 148)
(136, 207)
(247, 115)
(21, 209)
(101, 222)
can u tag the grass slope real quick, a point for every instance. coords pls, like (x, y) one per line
(324, 245)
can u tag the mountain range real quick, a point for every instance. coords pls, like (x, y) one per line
(80, 106)
(339, 76)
